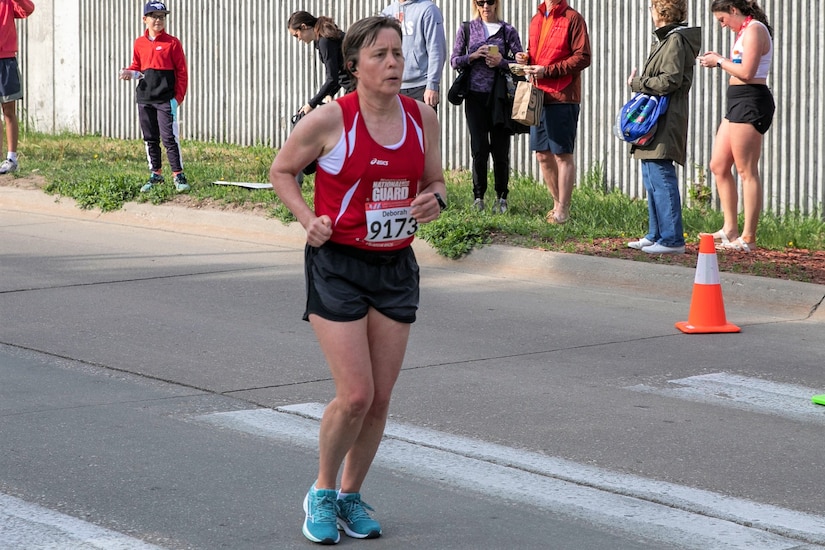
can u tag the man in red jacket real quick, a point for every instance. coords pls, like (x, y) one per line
(559, 50)
(159, 65)
(10, 87)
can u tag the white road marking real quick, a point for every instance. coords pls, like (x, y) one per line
(750, 394)
(672, 514)
(26, 525)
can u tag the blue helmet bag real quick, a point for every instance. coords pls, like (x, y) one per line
(638, 118)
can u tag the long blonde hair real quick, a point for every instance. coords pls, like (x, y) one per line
(477, 10)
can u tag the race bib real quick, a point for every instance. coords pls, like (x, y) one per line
(389, 221)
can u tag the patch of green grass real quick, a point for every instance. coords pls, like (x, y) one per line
(104, 173)
(104, 191)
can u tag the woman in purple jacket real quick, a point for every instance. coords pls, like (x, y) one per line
(487, 51)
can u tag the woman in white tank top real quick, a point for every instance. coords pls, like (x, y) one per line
(749, 115)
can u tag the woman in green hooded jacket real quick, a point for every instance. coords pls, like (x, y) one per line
(667, 72)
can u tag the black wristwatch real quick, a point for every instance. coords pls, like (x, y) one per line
(441, 204)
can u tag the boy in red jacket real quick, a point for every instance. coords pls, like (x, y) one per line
(160, 67)
(10, 87)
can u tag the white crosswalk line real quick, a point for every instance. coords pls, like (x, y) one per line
(672, 514)
(741, 392)
(26, 525)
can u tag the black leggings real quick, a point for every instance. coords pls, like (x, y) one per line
(484, 140)
(159, 122)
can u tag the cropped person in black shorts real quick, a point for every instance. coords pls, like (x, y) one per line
(379, 177)
(749, 115)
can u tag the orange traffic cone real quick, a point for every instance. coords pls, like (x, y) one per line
(707, 311)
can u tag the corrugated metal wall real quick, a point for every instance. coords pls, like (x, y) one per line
(247, 77)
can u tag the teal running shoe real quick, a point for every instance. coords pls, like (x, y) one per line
(354, 519)
(320, 525)
(181, 184)
(154, 179)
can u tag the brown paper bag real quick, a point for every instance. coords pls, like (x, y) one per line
(527, 104)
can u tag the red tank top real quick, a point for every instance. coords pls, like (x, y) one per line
(369, 200)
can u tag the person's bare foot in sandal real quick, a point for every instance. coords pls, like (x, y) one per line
(739, 245)
(558, 216)
(720, 237)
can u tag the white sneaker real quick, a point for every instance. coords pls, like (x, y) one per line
(640, 244)
(8, 166)
(657, 248)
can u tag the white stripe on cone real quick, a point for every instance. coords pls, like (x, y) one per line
(707, 270)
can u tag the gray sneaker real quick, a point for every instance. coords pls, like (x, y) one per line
(500, 206)
(8, 166)
(180, 183)
(478, 204)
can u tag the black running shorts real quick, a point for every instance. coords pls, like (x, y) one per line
(751, 104)
(343, 282)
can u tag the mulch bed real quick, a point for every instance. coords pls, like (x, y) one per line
(790, 264)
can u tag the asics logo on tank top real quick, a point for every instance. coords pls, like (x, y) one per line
(379, 162)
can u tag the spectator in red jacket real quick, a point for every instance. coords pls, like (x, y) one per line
(10, 87)
(559, 50)
(159, 65)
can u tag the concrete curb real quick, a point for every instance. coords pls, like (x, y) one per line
(639, 278)
(797, 299)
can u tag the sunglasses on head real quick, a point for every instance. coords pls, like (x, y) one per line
(480, 3)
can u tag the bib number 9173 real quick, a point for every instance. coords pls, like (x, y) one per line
(390, 221)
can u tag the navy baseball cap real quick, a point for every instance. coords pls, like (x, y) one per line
(152, 7)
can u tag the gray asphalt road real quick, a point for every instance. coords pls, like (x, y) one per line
(156, 383)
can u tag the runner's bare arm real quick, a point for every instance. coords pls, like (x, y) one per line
(316, 134)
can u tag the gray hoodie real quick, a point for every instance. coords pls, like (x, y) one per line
(423, 42)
